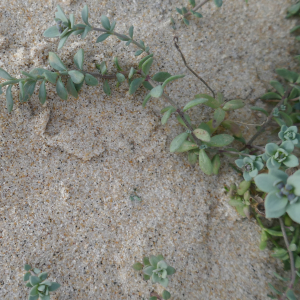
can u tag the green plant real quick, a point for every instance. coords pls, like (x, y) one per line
(40, 285)
(156, 269)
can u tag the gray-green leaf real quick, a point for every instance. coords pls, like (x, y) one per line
(106, 88)
(90, 80)
(78, 59)
(5, 75)
(161, 76)
(56, 63)
(218, 3)
(147, 65)
(76, 76)
(157, 91)
(220, 140)
(102, 37)
(50, 76)
(120, 77)
(135, 84)
(166, 295)
(54, 286)
(178, 141)
(85, 15)
(205, 163)
(233, 104)
(42, 92)
(131, 31)
(61, 90)
(60, 14)
(105, 22)
(167, 115)
(171, 79)
(202, 134)
(194, 102)
(9, 99)
(71, 88)
(51, 32)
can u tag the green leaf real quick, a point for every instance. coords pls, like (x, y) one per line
(161, 76)
(61, 90)
(147, 98)
(102, 67)
(135, 84)
(171, 79)
(287, 119)
(280, 253)
(147, 85)
(153, 298)
(60, 14)
(167, 115)
(27, 267)
(137, 266)
(220, 140)
(26, 276)
(260, 109)
(179, 10)
(234, 104)
(90, 80)
(273, 232)
(295, 28)
(42, 92)
(85, 15)
(205, 163)
(274, 290)
(187, 146)
(105, 22)
(116, 61)
(271, 96)
(131, 28)
(72, 20)
(56, 63)
(202, 134)
(194, 102)
(178, 141)
(5, 75)
(124, 38)
(78, 59)
(29, 87)
(28, 284)
(166, 109)
(288, 75)
(192, 158)
(106, 88)
(218, 3)
(120, 77)
(192, 2)
(243, 187)
(196, 14)
(54, 286)
(87, 29)
(186, 21)
(147, 65)
(76, 76)
(211, 102)
(166, 295)
(138, 52)
(43, 276)
(219, 116)
(71, 88)
(34, 280)
(290, 294)
(51, 32)
(146, 261)
(144, 59)
(131, 72)
(35, 297)
(278, 87)
(63, 40)
(9, 99)
(102, 37)
(157, 91)
(216, 163)
(170, 270)
(112, 26)
(50, 76)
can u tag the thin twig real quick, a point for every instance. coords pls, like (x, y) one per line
(180, 112)
(269, 119)
(291, 284)
(191, 70)
(195, 8)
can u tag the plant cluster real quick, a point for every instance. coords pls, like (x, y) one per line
(156, 269)
(39, 284)
(267, 189)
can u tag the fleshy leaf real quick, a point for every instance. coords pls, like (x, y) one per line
(56, 63)
(205, 163)
(178, 141)
(78, 59)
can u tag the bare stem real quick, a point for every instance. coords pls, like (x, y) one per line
(291, 284)
(269, 119)
(180, 112)
(196, 8)
(190, 69)
(233, 152)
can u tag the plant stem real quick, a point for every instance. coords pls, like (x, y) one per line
(196, 8)
(233, 152)
(291, 284)
(269, 119)
(113, 76)
(180, 112)
(153, 294)
(191, 70)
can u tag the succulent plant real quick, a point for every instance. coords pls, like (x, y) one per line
(155, 268)
(40, 286)
(276, 156)
(283, 193)
(290, 134)
(251, 166)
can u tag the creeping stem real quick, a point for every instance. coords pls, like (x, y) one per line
(195, 8)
